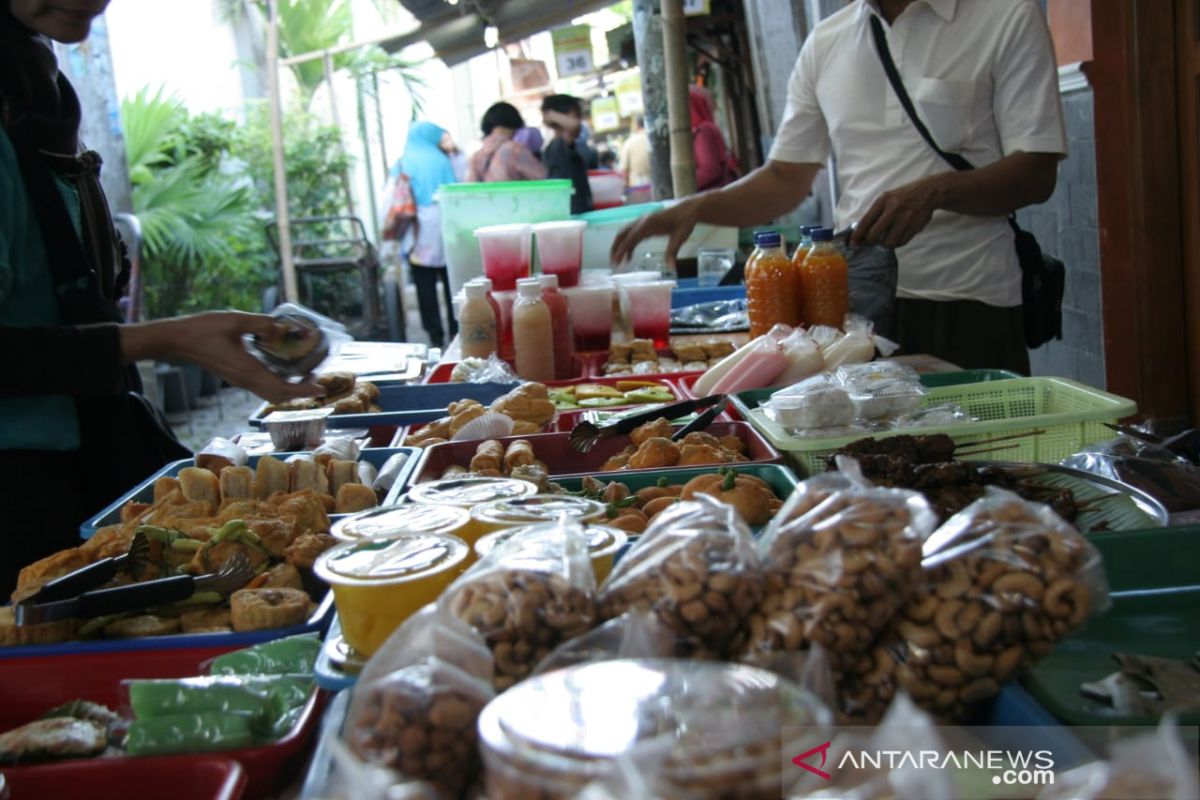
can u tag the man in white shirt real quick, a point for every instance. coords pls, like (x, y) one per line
(982, 76)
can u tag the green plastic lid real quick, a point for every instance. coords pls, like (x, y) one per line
(507, 187)
(608, 216)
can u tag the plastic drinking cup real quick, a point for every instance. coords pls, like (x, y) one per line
(560, 249)
(711, 266)
(591, 316)
(650, 310)
(505, 251)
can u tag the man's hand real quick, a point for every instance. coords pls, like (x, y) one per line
(566, 125)
(898, 215)
(676, 223)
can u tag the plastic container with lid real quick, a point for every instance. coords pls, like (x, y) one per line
(379, 583)
(720, 734)
(407, 518)
(533, 333)
(604, 542)
(772, 285)
(469, 491)
(560, 322)
(824, 282)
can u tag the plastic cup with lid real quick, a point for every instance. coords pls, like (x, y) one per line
(649, 307)
(560, 249)
(505, 250)
(591, 307)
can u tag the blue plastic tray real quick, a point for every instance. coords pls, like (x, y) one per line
(689, 292)
(144, 491)
(409, 404)
(317, 623)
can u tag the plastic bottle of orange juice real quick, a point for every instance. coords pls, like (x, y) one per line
(823, 282)
(805, 245)
(772, 285)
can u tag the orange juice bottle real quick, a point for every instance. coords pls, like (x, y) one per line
(805, 244)
(824, 279)
(772, 285)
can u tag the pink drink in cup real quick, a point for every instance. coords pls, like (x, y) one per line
(560, 249)
(591, 317)
(505, 251)
(650, 310)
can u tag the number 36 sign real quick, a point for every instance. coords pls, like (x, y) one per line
(573, 50)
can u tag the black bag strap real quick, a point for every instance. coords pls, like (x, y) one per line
(893, 74)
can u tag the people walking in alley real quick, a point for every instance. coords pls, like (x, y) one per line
(500, 158)
(563, 157)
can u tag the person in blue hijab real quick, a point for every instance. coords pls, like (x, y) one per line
(428, 167)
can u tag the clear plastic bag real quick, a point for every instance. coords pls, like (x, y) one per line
(857, 346)
(528, 595)
(814, 405)
(637, 633)
(881, 388)
(492, 369)
(696, 568)
(1004, 580)
(803, 356)
(1167, 476)
(760, 366)
(938, 416)
(706, 383)
(837, 574)
(416, 702)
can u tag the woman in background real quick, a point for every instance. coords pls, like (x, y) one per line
(714, 165)
(428, 167)
(500, 158)
(532, 139)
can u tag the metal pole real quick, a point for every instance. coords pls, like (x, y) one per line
(290, 289)
(333, 116)
(373, 221)
(647, 37)
(683, 160)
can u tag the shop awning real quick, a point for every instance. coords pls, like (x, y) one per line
(456, 31)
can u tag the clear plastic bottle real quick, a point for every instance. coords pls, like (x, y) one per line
(824, 281)
(504, 339)
(564, 334)
(772, 285)
(477, 323)
(805, 244)
(533, 333)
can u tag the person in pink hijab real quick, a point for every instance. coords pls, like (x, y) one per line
(714, 165)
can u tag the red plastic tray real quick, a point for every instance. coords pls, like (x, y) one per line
(441, 373)
(162, 778)
(30, 686)
(596, 362)
(553, 448)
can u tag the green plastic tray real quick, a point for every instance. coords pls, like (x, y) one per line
(1065, 415)
(1154, 580)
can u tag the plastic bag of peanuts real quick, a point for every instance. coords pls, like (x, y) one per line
(527, 596)
(417, 700)
(1158, 764)
(696, 569)
(837, 573)
(1003, 581)
(637, 633)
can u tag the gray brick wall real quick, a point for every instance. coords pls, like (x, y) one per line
(1065, 226)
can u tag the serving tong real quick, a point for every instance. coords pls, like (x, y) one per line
(233, 574)
(585, 435)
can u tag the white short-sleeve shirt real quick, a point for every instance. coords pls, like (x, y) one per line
(981, 74)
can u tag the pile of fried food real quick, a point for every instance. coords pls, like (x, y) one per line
(651, 447)
(638, 357)
(344, 393)
(926, 463)
(276, 517)
(493, 459)
(528, 406)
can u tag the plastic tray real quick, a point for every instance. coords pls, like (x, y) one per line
(161, 778)
(144, 491)
(1064, 414)
(330, 676)
(596, 362)
(33, 659)
(1154, 580)
(408, 404)
(441, 373)
(689, 295)
(777, 476)
(554, 449)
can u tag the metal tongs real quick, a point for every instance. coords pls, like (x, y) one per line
(585, 435)
(233, 574)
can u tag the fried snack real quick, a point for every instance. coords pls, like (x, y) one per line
(717, 349)
(237, 483)
(337, 382)
(523, 427)
(458, 406)
(454, 470)
(142, 625)
(642, 350)
(212, 556)
(464, 415)
(660, 427)
(304, 551)
(10, 634)
(275, 534)
(261, 609)
(164, 488)
(283, 576)
(53, 739)
(42, 571)
(133, 510)
(354, 497)
(47, 633)
(529, 401)
(270, 476)
(339, 473)
(308, 511)
(653, 453)
(691, 455)
(753, 497)
(308, 475)
(689, 352)
(351, 404)
(700, 437)
(218, 454)
(535, 474)
(619, 352)
(368, 390)
(206, 620)
(488, 455)
(111, 540)
(619, 461)
(734, 444)
(519, 454)
(200, 485)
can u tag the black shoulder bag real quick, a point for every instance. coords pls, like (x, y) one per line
(1043, 277)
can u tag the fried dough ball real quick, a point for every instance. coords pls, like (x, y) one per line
(655, 452)
(734, 444)
(283, 576)
(304, 551)
(276, 534)
(206, 620)
(660, 427)
(259, 609)
(700, 437)
(691, 455)
(618, 461)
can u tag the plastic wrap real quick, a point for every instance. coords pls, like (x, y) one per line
(759, 366)
(696, 569)
(1166, 475)
(1153, 765)
(717, 316)
(492, 369)
(881, 388)
(635, 634)
(857, 346)
(417, 700)
(803, 358)
(837, 574)
(813, 406)
(526, 596)
(1004, 580)
(292, 655)
(392, 469)
(706, 383)
(340, 448)
(938, 416)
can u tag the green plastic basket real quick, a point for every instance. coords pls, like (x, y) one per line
(1059, 417)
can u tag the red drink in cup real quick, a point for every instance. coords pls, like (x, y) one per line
(560, 249)
(505, 250)
(591, 317)
(650, 310)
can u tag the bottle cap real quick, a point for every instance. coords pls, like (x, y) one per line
(548, 281)
(768, 239)
(528, 287)
(807, 230)
(822, 235)
(475, 291)
(486, 283)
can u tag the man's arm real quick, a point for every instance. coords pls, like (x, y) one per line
(996, 190)
(768, 192)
